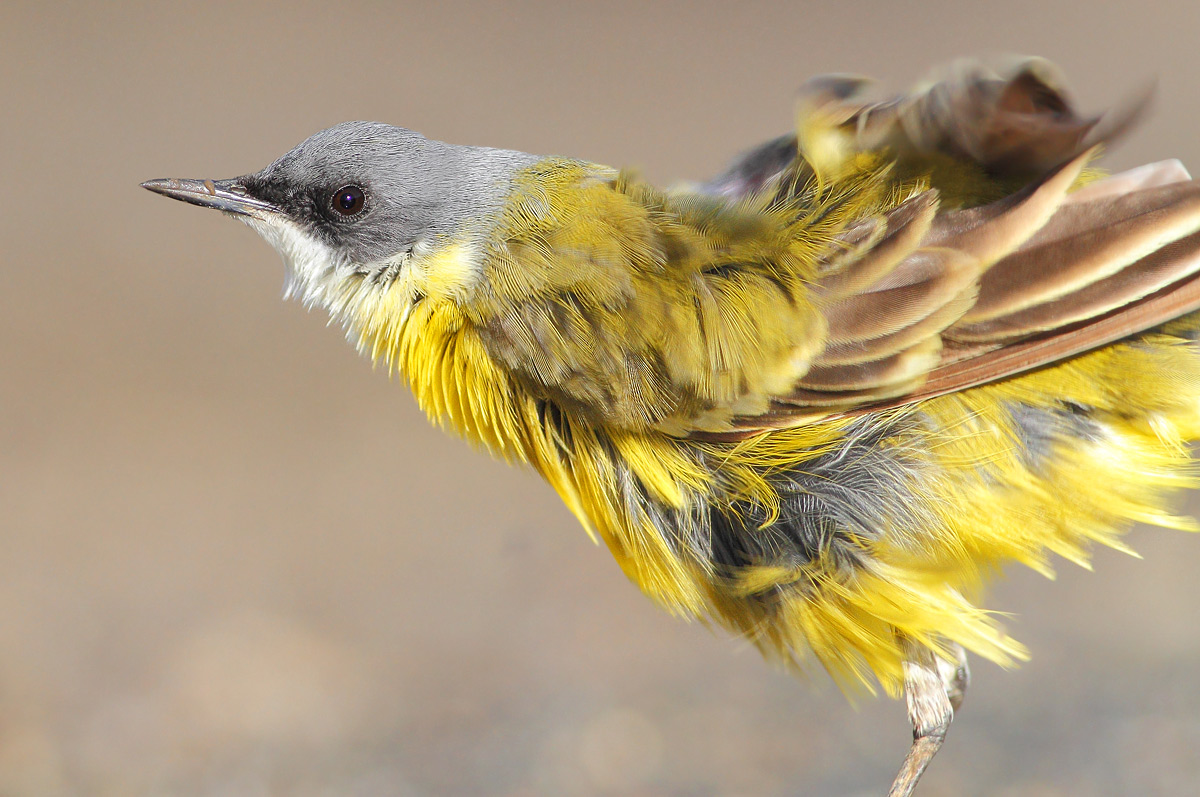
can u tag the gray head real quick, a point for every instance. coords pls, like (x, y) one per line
(358, 196)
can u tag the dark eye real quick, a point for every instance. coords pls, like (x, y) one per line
(348, 200)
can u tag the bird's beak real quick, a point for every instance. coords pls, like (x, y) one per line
(227, 195)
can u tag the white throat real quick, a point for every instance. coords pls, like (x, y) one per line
(316, 273)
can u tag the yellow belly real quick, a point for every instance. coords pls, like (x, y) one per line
(932, 497)
(1016, 471)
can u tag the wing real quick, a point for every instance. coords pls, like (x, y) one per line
(1064, 274)
(973, 134)
(637, 309)
(885, 254)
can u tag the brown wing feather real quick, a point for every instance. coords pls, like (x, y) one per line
(878, 374)
(1017, 358)
(865, 350)
(927, 301)
(884, 338)
(1147, 275)
(925, 281)
(875, 248)
(1016, 123)
(1152, 175)
(1090, 241)
(908, 335)
(992, 231)
(1115, 304)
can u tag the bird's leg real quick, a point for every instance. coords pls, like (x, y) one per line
(935, 689)
(956, 674)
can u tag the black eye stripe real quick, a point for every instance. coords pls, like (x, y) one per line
(348, 200)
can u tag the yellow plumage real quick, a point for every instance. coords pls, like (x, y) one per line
(989, 508)
(819, 399)
(570, 228)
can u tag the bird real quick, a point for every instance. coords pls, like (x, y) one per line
(818, 399)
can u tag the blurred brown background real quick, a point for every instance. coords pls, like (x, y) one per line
(237, 561)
